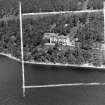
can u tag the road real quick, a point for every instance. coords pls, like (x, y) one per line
(11, 85)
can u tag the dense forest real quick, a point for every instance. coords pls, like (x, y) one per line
(88, 28)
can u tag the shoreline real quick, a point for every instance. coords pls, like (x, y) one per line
(52, 64)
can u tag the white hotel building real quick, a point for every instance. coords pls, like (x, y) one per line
(61, 39)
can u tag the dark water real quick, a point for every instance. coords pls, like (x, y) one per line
(11, 83)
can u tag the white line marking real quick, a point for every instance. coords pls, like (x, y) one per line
(62, 12)
(10, 56)
(52, 64)
(22, 54)
(104, 19)
(66, 85)
(69, 65)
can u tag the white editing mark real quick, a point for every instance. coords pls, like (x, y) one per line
(22, 54)
(62, 12)
(104, 21)
(66, 85)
